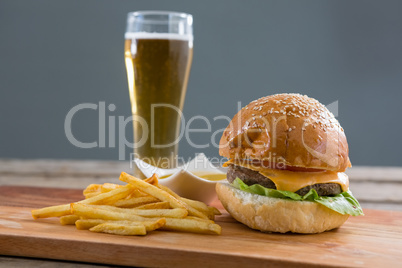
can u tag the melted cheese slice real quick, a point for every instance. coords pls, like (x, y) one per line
(292, 181)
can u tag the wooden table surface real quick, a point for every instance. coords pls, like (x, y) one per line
(374, 187)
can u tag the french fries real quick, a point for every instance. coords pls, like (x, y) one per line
(151, 190)
(139, 207)
(113, 228)
(170, 213)
(107, 187)
(202, 206)
(68, 219)
(156, 205)
(149, 225)
(86, 224)
(191, 225)
(62, 210)
(92, 190)
(94, 212)
(192, 210)
(161, 193)
(53, 211)
(135, 201)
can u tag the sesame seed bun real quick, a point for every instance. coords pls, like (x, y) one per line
(277, 215)
(289, 129)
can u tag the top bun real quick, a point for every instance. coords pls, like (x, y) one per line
(288, 130)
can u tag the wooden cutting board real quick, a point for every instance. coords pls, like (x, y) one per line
(374, 240)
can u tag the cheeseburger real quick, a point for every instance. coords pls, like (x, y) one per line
(287, 156)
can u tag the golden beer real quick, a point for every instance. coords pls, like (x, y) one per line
(158, 67)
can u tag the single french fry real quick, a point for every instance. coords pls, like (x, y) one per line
(169, 191)
(193, 226)
(62, 210)
(198, 219)
(168, 213)
(107, 187)
(95, 212)
(109, 197)
(150, 226)
(135, 201)
(113, 228)
(89, 195)
(157, 205)
(152, 190)
(200, 206)
(214, 210)
(137, 193)
(92, 190)
(86, 224)
(69, 219)
(191, 211)
(153, 180)
(53, 211)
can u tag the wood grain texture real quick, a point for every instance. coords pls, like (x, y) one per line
(374, 240)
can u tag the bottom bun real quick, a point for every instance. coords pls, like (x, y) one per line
(277, 215)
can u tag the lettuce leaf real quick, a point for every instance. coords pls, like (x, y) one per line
(343, 203)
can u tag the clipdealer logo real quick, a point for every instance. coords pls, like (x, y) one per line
(111, 126)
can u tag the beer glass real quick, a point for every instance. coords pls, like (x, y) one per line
(158, 53)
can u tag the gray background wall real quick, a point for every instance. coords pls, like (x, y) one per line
(56, 54)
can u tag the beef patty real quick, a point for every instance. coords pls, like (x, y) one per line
(251, 177)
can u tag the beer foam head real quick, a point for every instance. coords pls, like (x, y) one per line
(145, 35)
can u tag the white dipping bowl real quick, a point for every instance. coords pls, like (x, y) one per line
(189, 180)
